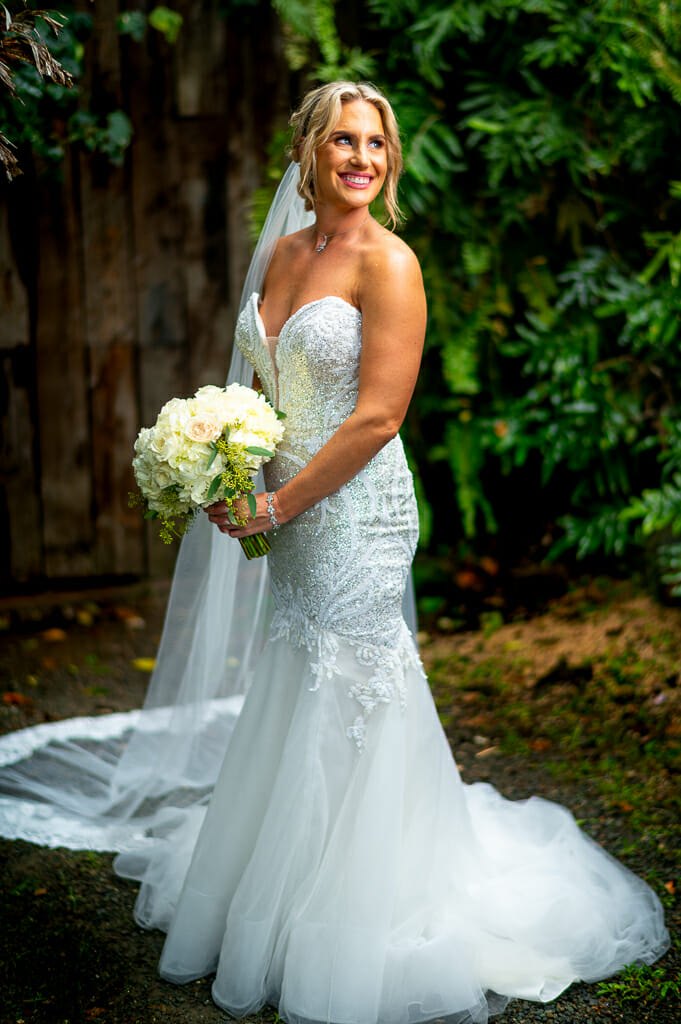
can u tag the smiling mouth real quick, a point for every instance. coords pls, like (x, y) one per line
(357, 179)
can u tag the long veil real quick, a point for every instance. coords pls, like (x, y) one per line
(119, 781)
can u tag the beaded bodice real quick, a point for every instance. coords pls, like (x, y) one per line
(338, 570)
(312, 373)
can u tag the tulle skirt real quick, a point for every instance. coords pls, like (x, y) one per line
(372, 886)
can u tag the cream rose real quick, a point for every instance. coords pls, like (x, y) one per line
(203, 427)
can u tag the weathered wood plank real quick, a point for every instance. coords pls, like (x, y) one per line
(200, 57)
(20, 508)
(14, 307)
(62, 385)
(157, 258)
(120, 545)
(210, 314)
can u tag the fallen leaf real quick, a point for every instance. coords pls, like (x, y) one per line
(39, 892)
(144, 664)
(53, 636)
(476, 722)
(487, 751)
(541, 744)
(85, 617)
(625, 806)
(489, 565)
(135, 622)
(670, 887)
(466, 579)
(17, 699)
(123, 613)
(470, 697)
(49, 663)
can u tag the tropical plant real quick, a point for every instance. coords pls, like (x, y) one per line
(538, 136)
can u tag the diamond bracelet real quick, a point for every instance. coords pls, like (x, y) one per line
(270, 508)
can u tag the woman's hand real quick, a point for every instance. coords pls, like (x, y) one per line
(218, 514)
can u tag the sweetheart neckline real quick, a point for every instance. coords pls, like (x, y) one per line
(313, 302)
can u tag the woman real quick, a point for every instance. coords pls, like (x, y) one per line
(341, 870)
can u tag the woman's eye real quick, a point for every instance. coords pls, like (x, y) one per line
(377, 143)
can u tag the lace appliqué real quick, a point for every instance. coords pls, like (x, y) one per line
(385, 684)
(300, 631)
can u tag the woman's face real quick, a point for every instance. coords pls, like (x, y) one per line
(352, 164)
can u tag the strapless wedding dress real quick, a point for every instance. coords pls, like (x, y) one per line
(342, 870)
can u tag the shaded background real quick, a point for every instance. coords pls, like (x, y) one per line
(542, 195)
(120, 284)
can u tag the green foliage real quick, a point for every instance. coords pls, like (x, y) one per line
(643, 984)
(536, 187)
(48, 117)
(310, 34)
(134, 23)
(22, 44)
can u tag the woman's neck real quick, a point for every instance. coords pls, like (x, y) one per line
(329, 226)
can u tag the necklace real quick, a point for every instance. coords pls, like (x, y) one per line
(332, 234)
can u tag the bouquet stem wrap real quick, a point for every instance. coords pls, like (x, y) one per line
(255, 546)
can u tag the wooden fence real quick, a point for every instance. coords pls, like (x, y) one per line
(119, 286)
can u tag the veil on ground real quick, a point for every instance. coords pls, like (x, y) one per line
(124, 782)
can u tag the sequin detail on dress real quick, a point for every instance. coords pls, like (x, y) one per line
(338, 570)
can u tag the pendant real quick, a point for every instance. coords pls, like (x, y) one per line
(322, 247)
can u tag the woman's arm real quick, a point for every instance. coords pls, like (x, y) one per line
(393, 327)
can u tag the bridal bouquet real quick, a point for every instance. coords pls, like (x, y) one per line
(205, 449)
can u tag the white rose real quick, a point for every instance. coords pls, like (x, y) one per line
(163, 476)
(209, 391)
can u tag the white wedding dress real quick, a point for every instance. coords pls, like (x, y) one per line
(342, 871)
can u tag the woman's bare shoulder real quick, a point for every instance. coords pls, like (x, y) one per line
(389, 261)
(288, 251)
(290, 245)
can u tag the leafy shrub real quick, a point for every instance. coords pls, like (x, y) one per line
(538, 135)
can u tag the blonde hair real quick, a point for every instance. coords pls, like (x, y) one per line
(315, 120)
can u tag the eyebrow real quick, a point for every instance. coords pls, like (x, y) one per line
(343, 131)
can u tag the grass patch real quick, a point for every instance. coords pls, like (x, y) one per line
(644, 984)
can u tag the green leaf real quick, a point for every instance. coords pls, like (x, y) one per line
(214, 486)
(167, 22)
(132, 23)
(213, 453)
(482, 124)
(119, 128)
(250, 498)
(254, 450)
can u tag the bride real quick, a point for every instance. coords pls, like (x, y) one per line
(315, 847)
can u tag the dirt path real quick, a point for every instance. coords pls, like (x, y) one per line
(581, 704)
